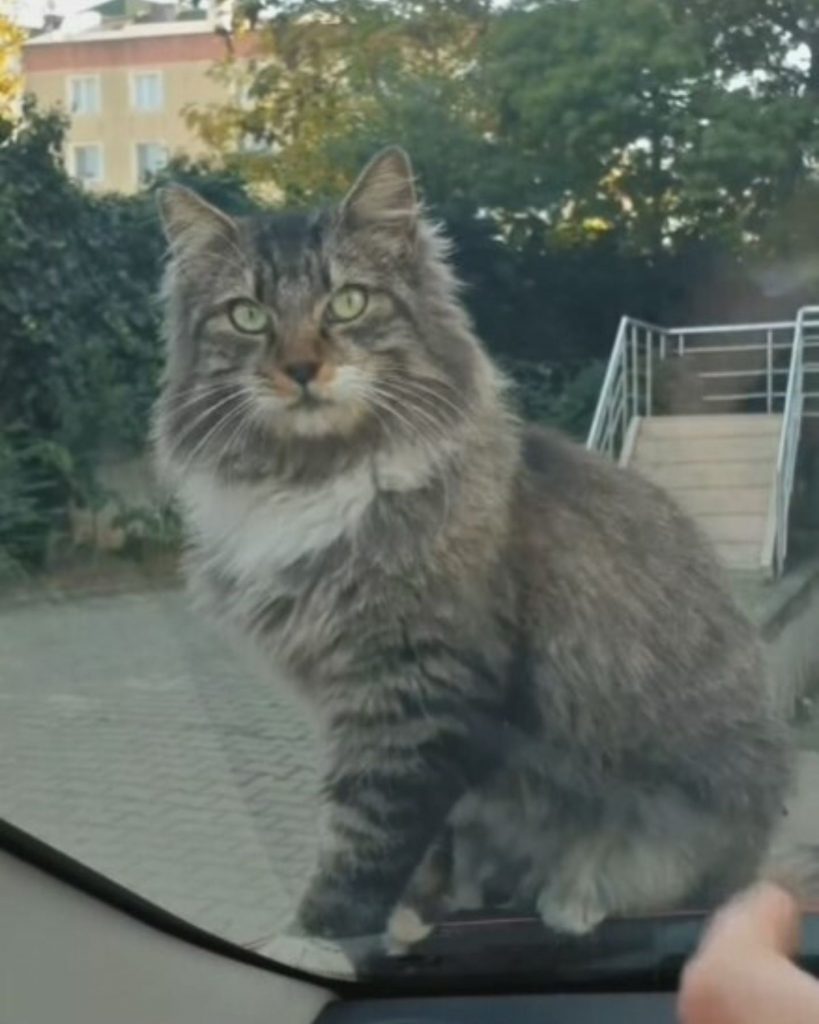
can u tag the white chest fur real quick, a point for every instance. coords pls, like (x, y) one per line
(250, 529)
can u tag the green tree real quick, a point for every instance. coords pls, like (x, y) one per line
(11, 83)
(322, 74)
(668, 119)
(660, 120)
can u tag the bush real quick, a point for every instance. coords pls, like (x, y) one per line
(558, 396)
(79, 345)
(22, 521)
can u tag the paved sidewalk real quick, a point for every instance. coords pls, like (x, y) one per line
(140, 744)
(136, 741)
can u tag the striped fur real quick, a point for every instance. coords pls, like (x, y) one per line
(533, 688)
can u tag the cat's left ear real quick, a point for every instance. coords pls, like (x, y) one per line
(384, 197)
(190, 221)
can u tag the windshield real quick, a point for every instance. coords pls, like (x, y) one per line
(408, 459)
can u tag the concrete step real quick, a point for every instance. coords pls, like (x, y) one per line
(721, 500)
(679, 476)
(739, 448)
(740, 556)
(711, 425)
(739, 529)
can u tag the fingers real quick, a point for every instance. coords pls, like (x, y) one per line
(768, 991)
(766, 918)
(742, 973)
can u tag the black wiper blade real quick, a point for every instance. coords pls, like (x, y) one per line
(520, 954)
(474, 954)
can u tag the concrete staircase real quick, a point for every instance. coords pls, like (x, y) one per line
(722, 470)
(733, 470)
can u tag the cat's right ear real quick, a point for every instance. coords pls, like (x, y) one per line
(383, 198)
(191, 222)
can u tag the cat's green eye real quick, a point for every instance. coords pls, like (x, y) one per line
(248, 317)
(348, 303)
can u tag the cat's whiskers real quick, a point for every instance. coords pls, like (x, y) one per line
(429, 425)
(424, 399)
(361, 393)
(192, 396)
(430, 446)
(418, 404)
(429, 416)
(189, 428)
(432, 442)
(245, 423)
(412, 388)
(413, 431)
(221, 423)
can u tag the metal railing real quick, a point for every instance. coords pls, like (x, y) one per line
(628, 386)
(806, 328)
(768, 367)
(758, 388)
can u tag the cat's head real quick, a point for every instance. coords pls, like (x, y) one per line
(338, 328)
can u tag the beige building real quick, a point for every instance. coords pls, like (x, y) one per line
(126, 89)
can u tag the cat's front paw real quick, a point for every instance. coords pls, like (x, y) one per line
(578, 913)
(405, 929)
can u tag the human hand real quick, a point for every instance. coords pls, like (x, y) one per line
(742, 973)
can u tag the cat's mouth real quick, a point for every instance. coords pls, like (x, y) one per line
(308, 400)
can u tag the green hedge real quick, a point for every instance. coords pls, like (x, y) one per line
(80, 349)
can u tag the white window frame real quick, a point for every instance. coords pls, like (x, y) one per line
(86, 182)
(69, 98)
(148, 142)
(156, 73)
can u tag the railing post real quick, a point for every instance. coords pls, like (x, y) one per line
(789, 442)
(769, 370)
(606, 409)
(635, 386)
(777, 550)
(649, 371)
(680, 345)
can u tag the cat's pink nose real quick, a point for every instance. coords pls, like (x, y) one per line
(302, 373)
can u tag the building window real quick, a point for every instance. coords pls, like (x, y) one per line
(147, 91)
(86, 164)
(151, 157)
(84, 95)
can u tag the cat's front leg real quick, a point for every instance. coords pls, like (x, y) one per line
(393, 780)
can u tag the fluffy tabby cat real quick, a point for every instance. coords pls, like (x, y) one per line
(533, 687)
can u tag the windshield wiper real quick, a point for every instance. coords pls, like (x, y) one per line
(479, 954)
(504, 955)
